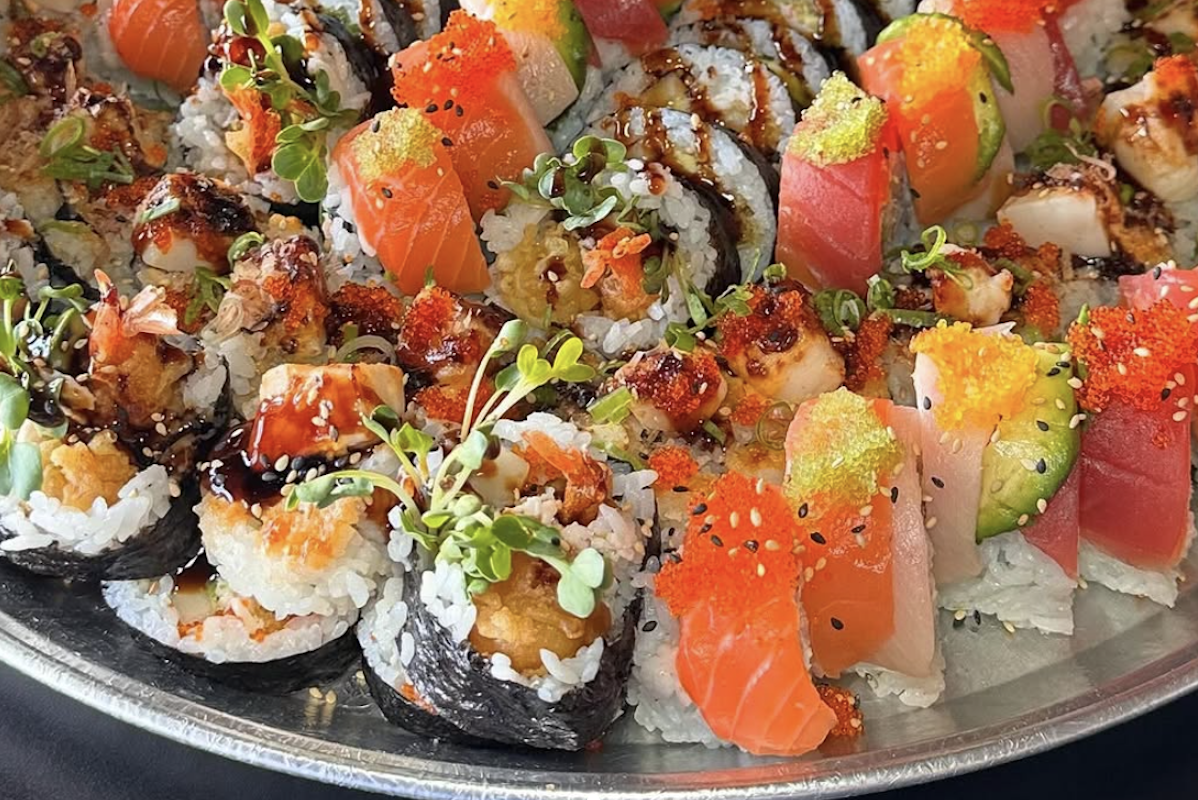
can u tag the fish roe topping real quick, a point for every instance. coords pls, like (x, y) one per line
(850, 722)
(676, 383)
(457, 64)
(1041, 308)
(1130, 356)
(839, 448)
(842, 125)
(937, 53)
(373, 309)
(749, 410)
(393, 140)
(448, 403)
(1015, 16)
(982, 377)
(863, 357)
(729, 559)
(436, 330)
(674, 466)
(531, 16)
(778, 319)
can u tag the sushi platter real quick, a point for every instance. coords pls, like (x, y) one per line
(671, 398)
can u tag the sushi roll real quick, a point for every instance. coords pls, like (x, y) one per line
(1090, 29)
(852, 471)
(616, 264)
(1135, 512)
(102, 458)
(623, 29)
(829, 236)
(270, 310)
(160, 42)
(843, 25)
(307, 560)
(397, 204)
(552, 49)
(721, 85)
(935, 76)
(1047, 88)
(1149, 128)
(192, 618)
(722, 657)
(186, 223)
(521, 543)
(711, 161)
(778, 347)
(308, 83)
(792, 56)
(1081, 208)
(466, 81)
(1000, 438)
(670, 390)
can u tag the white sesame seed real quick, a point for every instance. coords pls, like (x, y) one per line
(734, 519)
(1041, 505)
(823, 562)
(1010, 628)
(160, 429)
(808, 574)
(931, 523)
(1060, 404)
(760, 488)
(1181, 379)
(1074, 383)
(1180, 416)
(960, 614)
(865, 511)
(755, 517)
(772, 545)
(1023, 519)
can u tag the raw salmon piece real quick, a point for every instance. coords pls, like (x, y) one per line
(408, 203)
(745, 670)
(465, 81)
(164, 40)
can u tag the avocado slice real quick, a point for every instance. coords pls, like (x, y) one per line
(991, 127)
(575, 44)
(1035, 450)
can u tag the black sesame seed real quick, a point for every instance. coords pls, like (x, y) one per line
(837, 624)
(802, 511)
(1042, 425)
(459, 111)
(1066, 365)
(717, 541)
(915, 194)
(387, 193)
(751, 545)
(1042, 466)
(680, 489)
(927, 404)
(492, 185)
(1165, 393)
(555, 541)
(1156, 272)
(859, 529)
(448, 104)
(818, 538)
(374, 126)
(982, 96)
(705, 529)
(894, 494)
(699, 509)
(649, 626)
(432, 107)
(1055, 371)
(977, 617)
(937, 482)
(445, 140)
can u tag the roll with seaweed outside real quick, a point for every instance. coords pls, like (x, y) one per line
(271, 604)
(100, 439)
(516, 618)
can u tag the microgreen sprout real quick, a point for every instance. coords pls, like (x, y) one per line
(568, 184)
(1060, 147)
(436, 508)
(69, 157)
(209, 290)
(306, 114)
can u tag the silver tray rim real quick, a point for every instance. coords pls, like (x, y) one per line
(176, 718)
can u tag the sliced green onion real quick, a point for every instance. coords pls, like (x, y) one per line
(612, 407)
(715, 432)
(163, 209)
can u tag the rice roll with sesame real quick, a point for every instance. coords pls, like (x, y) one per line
(869, 594)
(848, 25)
(298, 561)
(710, 161)
(272, 102)
(192, 618)
(615, 262)
(1000, 439)
(102, 456)
(794, 57)
(1137, 395)
(721, 85)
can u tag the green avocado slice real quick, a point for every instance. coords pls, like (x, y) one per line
(1035, 450)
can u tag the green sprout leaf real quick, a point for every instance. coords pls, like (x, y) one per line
(14, 403)
(20, 470)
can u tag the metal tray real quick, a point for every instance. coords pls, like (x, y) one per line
(1008, 696)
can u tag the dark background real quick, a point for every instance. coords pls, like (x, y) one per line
(53, 747)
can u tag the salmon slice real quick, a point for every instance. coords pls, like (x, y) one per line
(741, 656)
(408, 203)
(164, 40)
(746, 672)
(466, 82)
